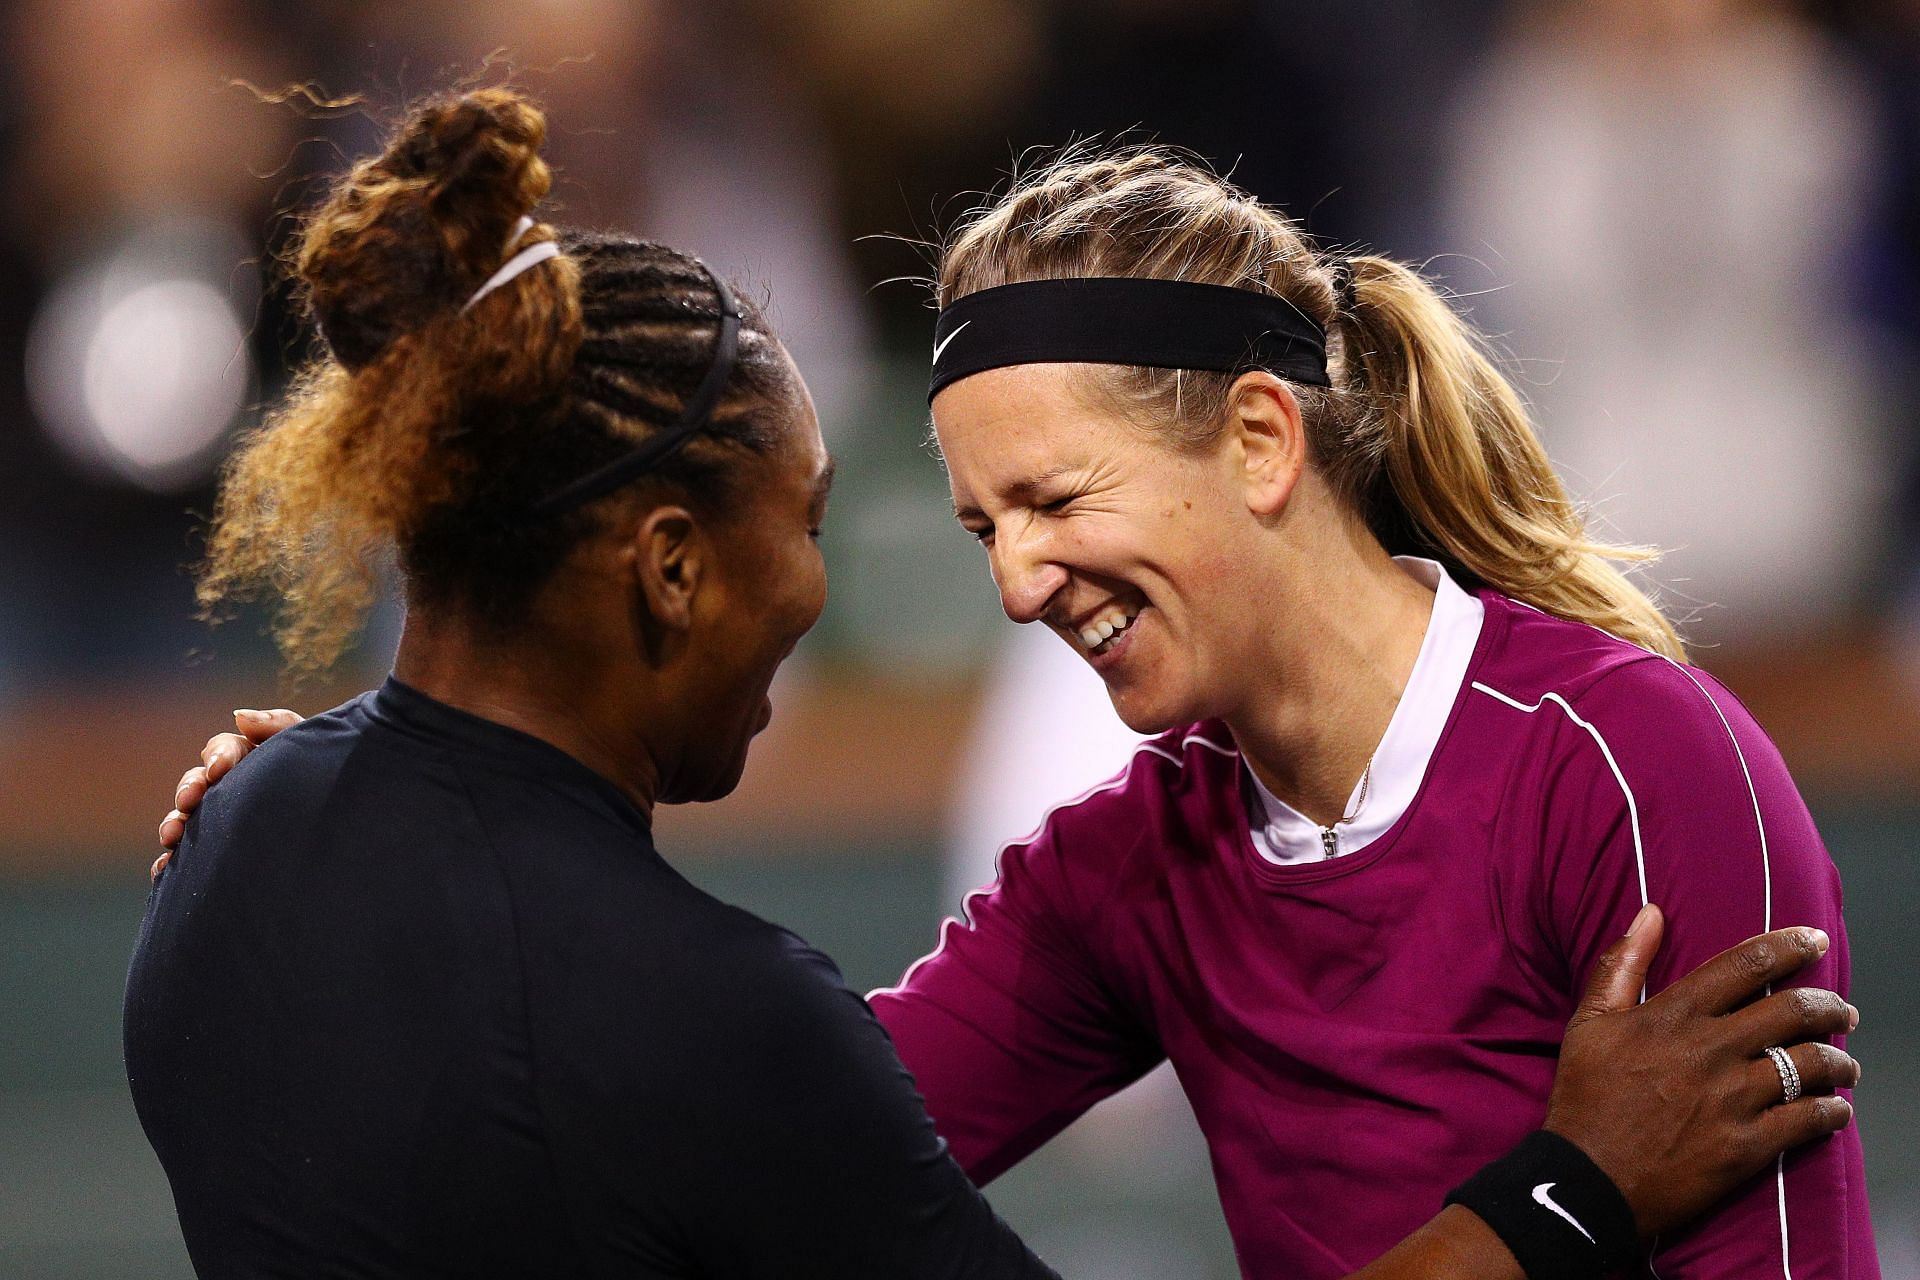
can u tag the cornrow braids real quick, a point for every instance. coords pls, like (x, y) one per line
(428, 429)
(649, 317)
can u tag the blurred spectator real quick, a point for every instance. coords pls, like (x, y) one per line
(130, 244)
(1675, 190)
(156, 174)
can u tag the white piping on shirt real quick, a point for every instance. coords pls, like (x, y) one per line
(1118, 780)
(1639, 856)
(1766, 926)
(1633, 810)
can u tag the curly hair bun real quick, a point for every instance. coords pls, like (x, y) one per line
(420, 404)
(409, 234)
(424, 437)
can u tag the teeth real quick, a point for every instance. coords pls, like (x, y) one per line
(1096, 634)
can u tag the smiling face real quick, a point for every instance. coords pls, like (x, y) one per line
(1135, 553)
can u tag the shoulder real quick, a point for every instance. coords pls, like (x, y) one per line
(1534, 656)
(1580, 675)
(767, 971)
(314, 744)
(277, 794)
(1195, 760)
(712, 963)
(1609, 710)
(1173, 792)
(749, 999)
(642, 962)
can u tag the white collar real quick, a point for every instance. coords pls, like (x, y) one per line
(1283, 834)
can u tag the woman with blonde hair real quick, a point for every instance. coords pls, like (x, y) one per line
(418, 993)
(1413, 721)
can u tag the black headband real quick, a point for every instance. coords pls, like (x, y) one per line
(656, 449)
(1163, 324)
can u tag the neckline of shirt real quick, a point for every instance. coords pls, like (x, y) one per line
(1283, 836)
(418, 714)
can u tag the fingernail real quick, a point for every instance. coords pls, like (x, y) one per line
(1853, 1017)
(1820, 940)
(179, 796)
(252, 717)
(1640, 920)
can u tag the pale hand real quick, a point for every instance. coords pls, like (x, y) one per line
(222, 752)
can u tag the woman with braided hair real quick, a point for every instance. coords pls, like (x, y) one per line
(417, 995)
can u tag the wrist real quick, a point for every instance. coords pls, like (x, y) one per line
(1557, 1211)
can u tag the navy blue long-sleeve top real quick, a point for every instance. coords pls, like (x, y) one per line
(418, 997)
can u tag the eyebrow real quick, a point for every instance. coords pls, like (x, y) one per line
(823, 484)
(1022, 491)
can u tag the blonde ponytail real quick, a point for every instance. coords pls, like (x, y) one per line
(1460, 458)
(1421, 433)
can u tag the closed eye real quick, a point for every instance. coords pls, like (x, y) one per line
(1057, 505)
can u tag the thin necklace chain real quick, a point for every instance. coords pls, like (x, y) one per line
(1366, 785)
(1329, 838)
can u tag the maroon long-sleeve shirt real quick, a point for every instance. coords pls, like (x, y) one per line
(1358, 1035)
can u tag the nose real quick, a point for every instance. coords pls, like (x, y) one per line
(1027, 579)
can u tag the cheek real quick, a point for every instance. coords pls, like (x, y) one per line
(816, 601)
(804, 590)
(1211, 590)
(1107, 542)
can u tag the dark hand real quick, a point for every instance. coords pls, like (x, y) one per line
(1676, 1099)
(222, 752)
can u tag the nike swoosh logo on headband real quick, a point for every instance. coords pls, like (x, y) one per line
(947, 341)
(1545, 1200)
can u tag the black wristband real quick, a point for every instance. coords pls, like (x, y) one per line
(1561, 1217)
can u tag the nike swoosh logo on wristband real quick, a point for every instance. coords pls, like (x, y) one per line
(1545, 1201)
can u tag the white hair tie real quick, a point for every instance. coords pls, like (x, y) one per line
(531, 256)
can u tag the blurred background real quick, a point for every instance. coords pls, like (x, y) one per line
(1693, 225)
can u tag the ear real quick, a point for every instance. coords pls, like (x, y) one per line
(670, 565)
(1263, 422)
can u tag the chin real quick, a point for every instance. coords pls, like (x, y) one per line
(1149, 717)
(709, 786)
(726, 783)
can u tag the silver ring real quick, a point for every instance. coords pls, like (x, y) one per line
(1789, 1074)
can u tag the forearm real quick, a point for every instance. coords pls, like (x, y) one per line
(1455, 1243)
